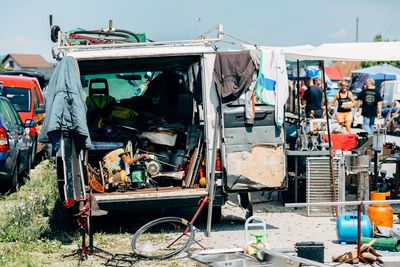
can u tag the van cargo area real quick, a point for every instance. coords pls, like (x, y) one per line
(146, 126)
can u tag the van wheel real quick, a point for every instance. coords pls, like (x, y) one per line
(246, 202)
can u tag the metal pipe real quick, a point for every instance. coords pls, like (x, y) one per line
(211, 182)
(359, 231)
(298, 89)
(342, 203)
(333, 178)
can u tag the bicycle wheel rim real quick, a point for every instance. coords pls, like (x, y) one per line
(160, 243)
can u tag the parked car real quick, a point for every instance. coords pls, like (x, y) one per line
(15, 146)
(26, 96)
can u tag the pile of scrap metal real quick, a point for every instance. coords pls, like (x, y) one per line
(367, 255)
(311, 133)
(122, 170)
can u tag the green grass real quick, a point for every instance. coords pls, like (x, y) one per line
(26, 218)
(35, 230)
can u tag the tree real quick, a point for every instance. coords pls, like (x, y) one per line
(379, 38)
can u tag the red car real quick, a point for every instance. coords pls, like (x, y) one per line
(26, 96)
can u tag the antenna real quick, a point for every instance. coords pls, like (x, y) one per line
(51, 20)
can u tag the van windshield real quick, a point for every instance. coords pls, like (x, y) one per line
(118, 85)
(19, 97)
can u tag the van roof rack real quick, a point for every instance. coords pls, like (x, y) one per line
(109, 38)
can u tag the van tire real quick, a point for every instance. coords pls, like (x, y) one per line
(245, 201)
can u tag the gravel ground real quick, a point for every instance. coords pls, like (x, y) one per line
(285, 227)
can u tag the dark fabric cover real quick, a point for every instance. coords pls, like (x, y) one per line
(233, 73)
(65, 105)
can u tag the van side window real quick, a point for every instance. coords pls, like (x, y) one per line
(35, 99)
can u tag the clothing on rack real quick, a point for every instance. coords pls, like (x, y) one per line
(272, 83)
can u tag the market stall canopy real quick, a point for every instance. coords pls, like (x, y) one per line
(369, 51)
(380, 72)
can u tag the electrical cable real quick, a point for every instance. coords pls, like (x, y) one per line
(145, 229)
(238, 39)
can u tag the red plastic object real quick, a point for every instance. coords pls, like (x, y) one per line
(344, 142)
(68, 203)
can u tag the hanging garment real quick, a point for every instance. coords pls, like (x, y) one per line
(272, 83)
(65, 106)
(233, 73)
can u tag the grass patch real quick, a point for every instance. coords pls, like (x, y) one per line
(27, 217)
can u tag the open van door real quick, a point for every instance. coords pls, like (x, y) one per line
(254, 155)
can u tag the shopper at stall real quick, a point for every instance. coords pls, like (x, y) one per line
(370, 101)
(345, 101)
(313, 99)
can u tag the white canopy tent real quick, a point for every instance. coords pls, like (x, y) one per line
(370, 51)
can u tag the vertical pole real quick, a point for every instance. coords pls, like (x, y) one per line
(332, 167)
(359, 230)
(357, 20)
(212, 176)
(298, 89)
(363, 180)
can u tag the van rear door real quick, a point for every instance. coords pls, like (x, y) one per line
(253, 155)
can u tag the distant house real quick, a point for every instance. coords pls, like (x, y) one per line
(334, 73)
(27, 62)
(346, 67)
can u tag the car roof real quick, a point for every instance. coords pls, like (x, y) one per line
(18, 81)
(27, 73)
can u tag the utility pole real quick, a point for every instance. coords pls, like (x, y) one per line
(357, 20)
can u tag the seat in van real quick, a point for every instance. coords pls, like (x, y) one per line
(95, 87)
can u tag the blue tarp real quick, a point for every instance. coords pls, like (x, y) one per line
(380, 72)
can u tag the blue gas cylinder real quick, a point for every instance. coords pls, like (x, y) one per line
(347, 227)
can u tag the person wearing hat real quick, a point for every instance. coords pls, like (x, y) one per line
(345, 101)
(313, 99)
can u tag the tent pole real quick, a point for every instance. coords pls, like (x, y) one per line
(298, 89)
(333, 179)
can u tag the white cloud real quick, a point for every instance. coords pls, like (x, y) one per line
(340, 34)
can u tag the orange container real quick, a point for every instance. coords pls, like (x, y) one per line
(380, 214)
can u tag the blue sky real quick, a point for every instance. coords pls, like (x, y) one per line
(25, 24)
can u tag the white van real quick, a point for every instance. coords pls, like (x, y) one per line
(137, 75)
(390, 91)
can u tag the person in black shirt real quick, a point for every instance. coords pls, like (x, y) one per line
(371, 103)
(313, 99)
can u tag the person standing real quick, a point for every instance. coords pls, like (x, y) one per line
(370, 101)
(313, 99)
(345, 103)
